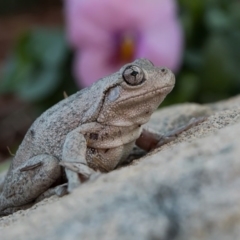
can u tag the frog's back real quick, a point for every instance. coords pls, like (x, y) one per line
(48, 132)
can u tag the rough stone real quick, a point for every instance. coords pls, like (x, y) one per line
(187, 189)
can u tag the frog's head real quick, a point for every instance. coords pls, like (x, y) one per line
(138, 90)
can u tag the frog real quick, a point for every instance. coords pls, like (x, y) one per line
(92, 131)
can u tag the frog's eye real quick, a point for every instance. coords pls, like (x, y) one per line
(133, 75)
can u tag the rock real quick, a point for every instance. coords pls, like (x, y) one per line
(231, 103)
(187, 189)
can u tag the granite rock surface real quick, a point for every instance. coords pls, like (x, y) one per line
(187, 189)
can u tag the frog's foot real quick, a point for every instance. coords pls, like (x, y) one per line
(59, 190)
(77, 173)
(149, 140)
(80, 168)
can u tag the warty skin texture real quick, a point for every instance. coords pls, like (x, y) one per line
(95, 129)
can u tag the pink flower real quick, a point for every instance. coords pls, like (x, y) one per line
(108, 33)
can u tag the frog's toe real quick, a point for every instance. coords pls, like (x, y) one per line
(77, 167)
(61, 190)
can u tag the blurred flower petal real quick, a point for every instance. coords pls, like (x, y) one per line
(107, 33)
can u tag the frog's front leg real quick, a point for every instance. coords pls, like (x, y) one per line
(149, 140)
(74, 159)
(26, 182)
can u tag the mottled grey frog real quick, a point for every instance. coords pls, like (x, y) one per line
(93, 130)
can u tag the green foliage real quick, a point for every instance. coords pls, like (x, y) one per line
(4, 166)
(210, 69)
(34, 71)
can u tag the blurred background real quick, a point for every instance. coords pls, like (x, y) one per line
(51, 47)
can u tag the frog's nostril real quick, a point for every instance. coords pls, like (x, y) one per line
(164, 70)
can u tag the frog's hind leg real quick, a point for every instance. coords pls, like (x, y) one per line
(25, 183)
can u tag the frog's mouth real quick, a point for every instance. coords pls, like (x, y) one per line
(166, 90)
